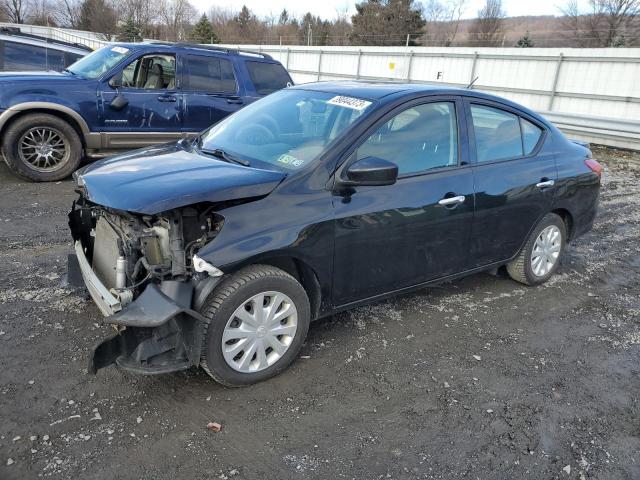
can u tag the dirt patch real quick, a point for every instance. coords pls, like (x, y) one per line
(481, 378)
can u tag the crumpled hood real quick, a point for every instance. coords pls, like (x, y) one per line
(156, 179)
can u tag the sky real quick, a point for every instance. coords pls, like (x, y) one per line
(328, 8)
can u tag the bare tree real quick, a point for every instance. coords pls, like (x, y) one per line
(443, 21)
(143, 13)
(571, 22)
(176, 16)
(41, 13)
(67, 13)
(612, 21)
(15, 10)
(487, 30)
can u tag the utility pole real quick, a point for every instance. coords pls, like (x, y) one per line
(309, 36)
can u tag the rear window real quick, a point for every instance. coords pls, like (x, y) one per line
(19, 57)
(268, 77)
(210, 74)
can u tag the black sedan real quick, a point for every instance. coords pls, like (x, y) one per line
(218, 251)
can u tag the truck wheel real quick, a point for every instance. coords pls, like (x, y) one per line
(540, 257)
(257, 321)
(42, 148)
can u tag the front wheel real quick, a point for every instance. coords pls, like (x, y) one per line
(540, 257)
(42, 148)
(257, 321)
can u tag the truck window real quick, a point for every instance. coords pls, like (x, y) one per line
(268, 77)
(19, 57)
(210, 74)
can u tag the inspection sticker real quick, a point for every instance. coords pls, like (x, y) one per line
(121, 50)
(349, 102)
(290, 160)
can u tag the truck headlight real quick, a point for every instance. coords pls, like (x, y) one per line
(199, 265)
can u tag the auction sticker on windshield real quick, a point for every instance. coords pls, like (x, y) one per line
(121, 50)
(349, 102)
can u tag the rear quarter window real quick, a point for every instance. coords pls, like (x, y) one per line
(268, 77)
(20, 57)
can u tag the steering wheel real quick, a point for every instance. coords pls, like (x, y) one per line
(255, 134)
(263, 129)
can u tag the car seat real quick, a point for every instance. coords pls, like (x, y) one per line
(155, 78)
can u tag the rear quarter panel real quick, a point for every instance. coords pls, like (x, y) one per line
(578, 187)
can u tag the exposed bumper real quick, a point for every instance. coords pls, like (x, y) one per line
(106, 302)
(161, 334)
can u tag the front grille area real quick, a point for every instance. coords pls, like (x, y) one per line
(105, 253)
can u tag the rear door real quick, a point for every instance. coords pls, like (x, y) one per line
(211, 90)
(514, 177)
(396, 236)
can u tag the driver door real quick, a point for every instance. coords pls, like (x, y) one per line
(396, 236)
(151, 105)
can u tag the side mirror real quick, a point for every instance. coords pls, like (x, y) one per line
(116, 81)
(371, 171)
(118, 102)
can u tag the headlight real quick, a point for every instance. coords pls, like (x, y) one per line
(78, 179)
(199, 265)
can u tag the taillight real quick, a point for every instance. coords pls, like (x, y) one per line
(594, 166)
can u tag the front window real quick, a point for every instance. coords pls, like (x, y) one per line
(420, 138)
(288, 129)
(99, 62)
(151, 72)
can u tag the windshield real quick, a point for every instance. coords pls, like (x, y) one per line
(99, 62)
(288, 129)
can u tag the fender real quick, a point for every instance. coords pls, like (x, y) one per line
(89, 138)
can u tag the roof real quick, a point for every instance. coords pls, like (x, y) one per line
(378, 90)
(375, 90)
(172, 46)
(15, 35)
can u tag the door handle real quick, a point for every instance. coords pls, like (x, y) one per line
(234, 100)
(449, 201)
(545, 183)
(167, 98)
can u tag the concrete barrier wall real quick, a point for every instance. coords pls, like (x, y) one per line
(592, 94)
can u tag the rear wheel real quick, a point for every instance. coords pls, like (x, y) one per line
(42, 148)
(257, 321)
(540, 257)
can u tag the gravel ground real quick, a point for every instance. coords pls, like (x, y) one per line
(481, 378)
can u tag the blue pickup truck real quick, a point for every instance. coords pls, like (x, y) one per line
(125, 96)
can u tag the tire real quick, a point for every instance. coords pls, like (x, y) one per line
(227, 301)
(525, 268)
(47, 130)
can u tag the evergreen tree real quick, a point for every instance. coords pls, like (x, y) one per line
(129, 32)
(284, 17)
(386, 22)
(525, 42)
(203, 31)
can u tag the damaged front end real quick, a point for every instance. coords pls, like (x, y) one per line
(143, 273)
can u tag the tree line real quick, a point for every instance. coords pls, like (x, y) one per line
(606, 23)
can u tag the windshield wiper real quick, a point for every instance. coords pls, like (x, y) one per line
(227, 157)
(69, 71)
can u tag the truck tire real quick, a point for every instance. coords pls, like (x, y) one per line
(42, 148)
(257, 320)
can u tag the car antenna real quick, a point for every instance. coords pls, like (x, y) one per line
(472, 82)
